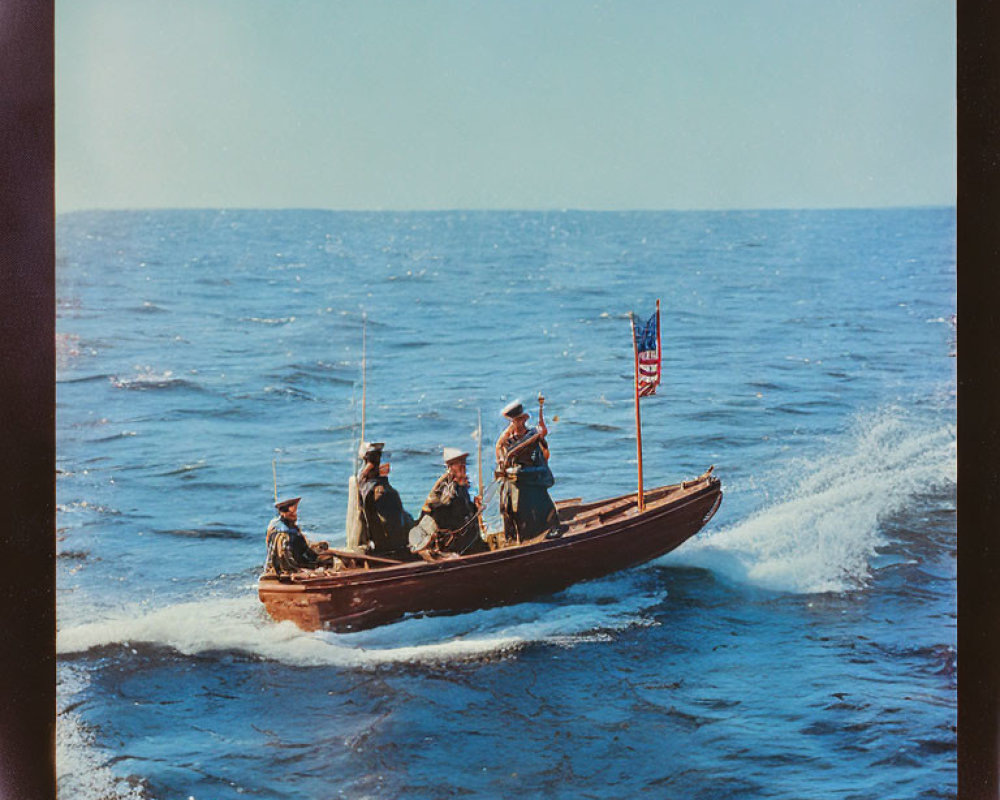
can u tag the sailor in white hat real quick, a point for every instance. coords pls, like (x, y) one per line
(522, 467)
(452, 455)
(452, 508)
(372, 467)
(516, 431)
(370, 449)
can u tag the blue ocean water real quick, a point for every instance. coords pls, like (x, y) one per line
(803, 645)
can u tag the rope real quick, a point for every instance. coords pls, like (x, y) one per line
(452, 533)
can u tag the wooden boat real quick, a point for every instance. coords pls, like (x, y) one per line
(600, 538)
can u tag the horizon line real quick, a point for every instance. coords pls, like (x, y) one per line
(510, 210)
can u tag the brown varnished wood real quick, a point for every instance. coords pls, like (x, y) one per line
(601, 538)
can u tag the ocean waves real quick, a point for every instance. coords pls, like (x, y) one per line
(822, 533)
(149, 379)
(203, 533)
(84, 767)
(207, 359)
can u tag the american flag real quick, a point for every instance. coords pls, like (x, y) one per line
(647, 344)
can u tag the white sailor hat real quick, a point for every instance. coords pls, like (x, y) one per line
(453, 454)
(367, 448)
(514, 409)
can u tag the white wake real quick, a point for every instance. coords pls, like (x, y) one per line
(822, 534)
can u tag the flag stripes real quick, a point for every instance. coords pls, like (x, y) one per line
(647, 344)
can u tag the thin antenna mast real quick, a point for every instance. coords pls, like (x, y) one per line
(364, 372)
(479, 455)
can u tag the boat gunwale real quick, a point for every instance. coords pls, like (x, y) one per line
(418, 569)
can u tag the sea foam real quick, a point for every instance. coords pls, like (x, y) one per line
(240, 625)
(820, 535)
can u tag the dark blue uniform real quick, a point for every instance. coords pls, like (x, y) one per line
(289, 551)
(525, 504)
(384, 520)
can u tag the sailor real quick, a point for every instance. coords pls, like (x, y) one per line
(454, 512)
(523, 469)
(287, 548)
(385, 523)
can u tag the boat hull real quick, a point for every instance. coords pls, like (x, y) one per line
(602, 538)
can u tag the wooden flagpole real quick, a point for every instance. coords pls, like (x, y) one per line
(640, 497)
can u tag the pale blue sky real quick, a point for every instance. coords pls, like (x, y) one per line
(429, 104)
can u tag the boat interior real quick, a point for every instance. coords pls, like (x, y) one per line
(580, 516)
(576, 517)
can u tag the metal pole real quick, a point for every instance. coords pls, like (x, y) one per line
(640, 497)
(270, 543)
(659, 349)
(364, 372)
(479, 453)
(479, 456)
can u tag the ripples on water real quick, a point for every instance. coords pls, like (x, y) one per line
(803, 645)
